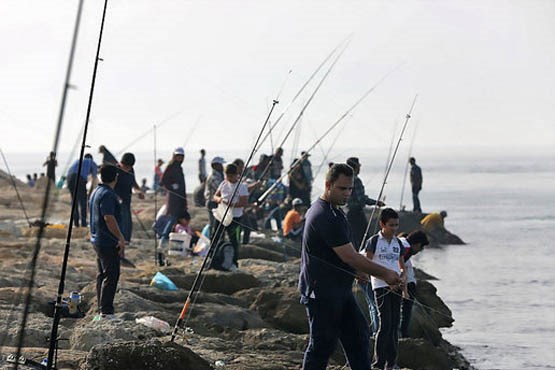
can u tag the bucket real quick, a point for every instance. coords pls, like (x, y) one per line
(179, 244)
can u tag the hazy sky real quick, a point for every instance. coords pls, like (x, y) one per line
(484, 71)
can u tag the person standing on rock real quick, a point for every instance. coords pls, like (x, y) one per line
(386, 249)
(107, 238)
(125, 185)
(356, 203)
(202, 166)
(416, 184)
(212, 183)
(329, 263)
(173, 181)
(413, 244)
(51, 164)
(79, 181)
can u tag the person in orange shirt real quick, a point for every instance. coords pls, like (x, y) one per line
(293, 223)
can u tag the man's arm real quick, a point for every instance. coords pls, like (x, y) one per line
(112, 225)
(348, 254)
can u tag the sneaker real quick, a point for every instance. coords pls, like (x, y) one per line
(105, 317)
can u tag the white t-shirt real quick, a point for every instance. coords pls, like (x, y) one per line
(387, 255)
(226, 190)
(408, 264)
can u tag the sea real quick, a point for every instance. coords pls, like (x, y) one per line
(500, 285)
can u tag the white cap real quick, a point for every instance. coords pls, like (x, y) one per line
(219, 160)
(297, 202)
(179, 151)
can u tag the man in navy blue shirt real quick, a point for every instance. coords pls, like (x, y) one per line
(79, 181)
(107, 239)
(329, 263)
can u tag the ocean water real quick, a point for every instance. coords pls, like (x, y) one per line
(501, 284)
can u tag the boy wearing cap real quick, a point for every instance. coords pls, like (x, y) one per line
(293, 223)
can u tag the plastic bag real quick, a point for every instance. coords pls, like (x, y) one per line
(219, 213)
(161, 281)
(154, 323)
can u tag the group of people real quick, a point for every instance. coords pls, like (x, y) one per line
(331, 261)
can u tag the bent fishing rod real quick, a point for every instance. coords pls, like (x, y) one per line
(305, 106)
(407, 166)
(337, 122)
(36, 250)
(388, 170)
(12, 180)
(58, 305)
(326, 59)
(197, 283)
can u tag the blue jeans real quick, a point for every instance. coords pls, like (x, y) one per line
(332, 320)
(371, 302)
(126, 223)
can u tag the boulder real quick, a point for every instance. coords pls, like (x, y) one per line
(281, 308)
(419, 354)
(217, 281)
(253, 251)
(151, 355)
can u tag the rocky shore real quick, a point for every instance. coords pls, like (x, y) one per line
(250, 319)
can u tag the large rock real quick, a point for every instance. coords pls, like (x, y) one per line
(151, 355)
(419, 354)
(217, 281)
(426, 294)
(281, 308)
(210, 318)
(253, 251)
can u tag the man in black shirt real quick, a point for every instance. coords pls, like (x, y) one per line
(329, 263)
(416, 184)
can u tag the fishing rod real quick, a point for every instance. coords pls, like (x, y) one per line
(326, 154)
(212, 248)
(36, 250)
(277, 98)
(155, 192)
(191, 132)
(58, 305)
(407, 166)
(337, 122)
(15, 188)
(407, 118)
(305, 106)
(328, 57)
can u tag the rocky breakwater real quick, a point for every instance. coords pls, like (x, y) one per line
(251, 319)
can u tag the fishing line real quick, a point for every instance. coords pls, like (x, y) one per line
(407, 118)
(15, 188)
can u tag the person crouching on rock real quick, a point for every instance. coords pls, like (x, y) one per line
(224, 196)
(107, 239)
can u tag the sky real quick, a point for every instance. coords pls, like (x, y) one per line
(205, 72)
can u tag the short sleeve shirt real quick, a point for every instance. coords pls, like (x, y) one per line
(323, 274)
(291, 218)
(386, 254)
(104, 202)
(226, 190)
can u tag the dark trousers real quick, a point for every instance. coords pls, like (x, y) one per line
(415, 200)
(106, 278)
(233, 230)
(81, 207)
(357, 220)
(333, 320)
(387, 338)
(126, 223)
(406, 310)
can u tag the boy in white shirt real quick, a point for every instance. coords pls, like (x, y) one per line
(224, 196)
(385, 249)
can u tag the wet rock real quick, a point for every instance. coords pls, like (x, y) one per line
(151, 355)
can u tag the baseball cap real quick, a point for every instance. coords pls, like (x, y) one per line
(179, 151)
(297, 202)
(219, 160)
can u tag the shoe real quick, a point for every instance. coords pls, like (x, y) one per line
(105, 317)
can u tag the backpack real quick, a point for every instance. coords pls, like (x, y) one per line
(223, 257)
